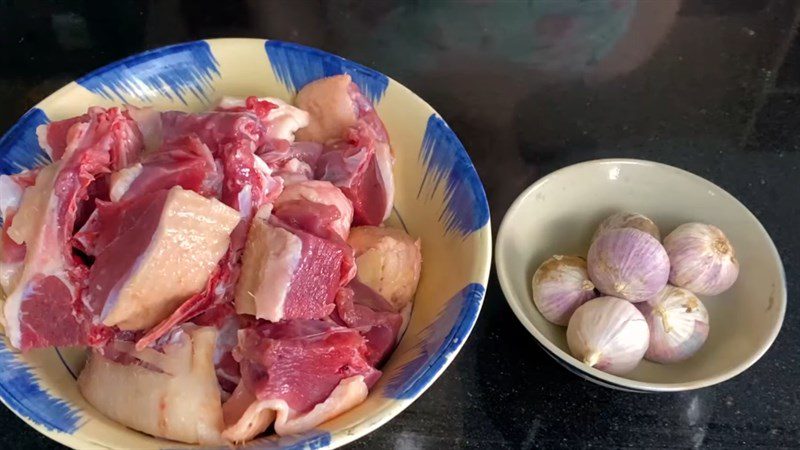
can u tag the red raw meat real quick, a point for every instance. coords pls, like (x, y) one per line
(361, 308)
(112, 129)
(317, 207)
(247, 186)
(361, 167)
(289, 273)
(52, 279)
(215, 129)
(301, 361)
(116, 257)
(184, 162)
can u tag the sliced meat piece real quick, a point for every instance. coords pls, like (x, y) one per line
(361, 308)
(388, 261)
(246, 417)
(248, 185)
(214, 129)
(307, 371)
(288, 273)
(317, 207)
(112, 130)
(184, 162)
(361, 166)
(162, 248)
(171, 393)
(43, 308)
(281, 119)
(330, 106)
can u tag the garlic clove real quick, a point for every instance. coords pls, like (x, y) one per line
(628, 220)
(629, 264)
(609, 334)
(678, 322)
(702, 259)
(559, 286)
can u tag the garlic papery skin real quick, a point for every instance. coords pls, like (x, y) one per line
(678, 324)
(628, 220)
(560, 285)
(629, 264)
(609, 334)
(702, 259)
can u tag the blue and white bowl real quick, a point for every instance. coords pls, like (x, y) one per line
(439, 198)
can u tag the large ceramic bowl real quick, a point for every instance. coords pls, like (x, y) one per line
(439, 198)
(558, 215)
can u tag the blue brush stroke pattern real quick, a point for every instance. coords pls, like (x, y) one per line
(297, 65)
(436, 342)
(446, 162)
(19, 147)
(21, 392)
(172, 72)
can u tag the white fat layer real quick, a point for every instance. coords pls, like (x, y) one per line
(282, 122)
(10, 196)
(41, 136)
(121, 181)
(383, 154)
(271, 258)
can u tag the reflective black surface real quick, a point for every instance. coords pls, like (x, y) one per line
(712, 86)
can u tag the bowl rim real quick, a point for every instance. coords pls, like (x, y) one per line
(481, 270)
(607, 379)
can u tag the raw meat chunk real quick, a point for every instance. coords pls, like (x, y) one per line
(171, 393)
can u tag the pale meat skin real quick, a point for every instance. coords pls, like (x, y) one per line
(271, 256)
(192, 235)
(181, 403)
(246, 417)
(388, 261)
(331, 109)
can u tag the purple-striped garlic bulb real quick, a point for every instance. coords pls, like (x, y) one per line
(702, 259)
(629, 264)
(609, 334)
(678, 324)
(560, 285)
(628, 220)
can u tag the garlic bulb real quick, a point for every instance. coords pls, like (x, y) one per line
(628, 220)
(702, 259)
(678, 325)
(560, 285)
(609, 334)
(629, 264)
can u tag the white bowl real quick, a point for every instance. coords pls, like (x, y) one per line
(559, 213)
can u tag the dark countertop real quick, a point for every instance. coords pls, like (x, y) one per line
(711, 86)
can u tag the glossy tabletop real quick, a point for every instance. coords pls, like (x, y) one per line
(710, 86)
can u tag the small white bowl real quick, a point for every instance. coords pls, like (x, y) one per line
(559, 213)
